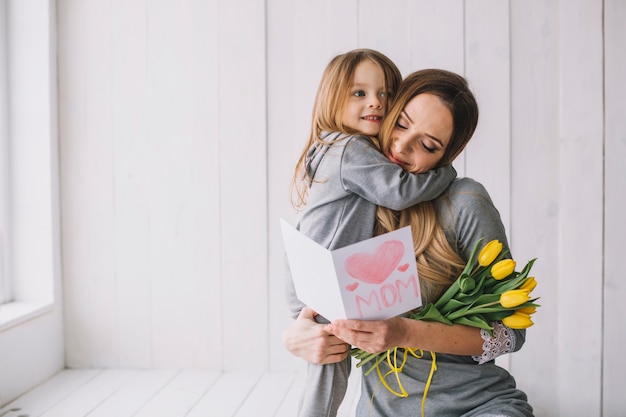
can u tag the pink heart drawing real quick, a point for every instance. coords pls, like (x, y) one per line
(352, 287)
(403, 268)
(375, 268)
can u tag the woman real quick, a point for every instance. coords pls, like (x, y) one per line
(433, 117)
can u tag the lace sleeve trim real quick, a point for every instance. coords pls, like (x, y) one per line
(502, 342)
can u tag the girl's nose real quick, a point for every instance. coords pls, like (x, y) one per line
(376, 102)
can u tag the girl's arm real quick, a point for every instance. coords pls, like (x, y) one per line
(368, 173)
(310, 341)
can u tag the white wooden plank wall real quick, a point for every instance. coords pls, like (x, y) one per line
(535, 205)
(180, 122)
(581, 247)
(614, 288)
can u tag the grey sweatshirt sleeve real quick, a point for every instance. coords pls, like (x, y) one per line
(368, 173)
(326, 386)
(467, 214)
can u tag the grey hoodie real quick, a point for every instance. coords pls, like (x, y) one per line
(350, 178)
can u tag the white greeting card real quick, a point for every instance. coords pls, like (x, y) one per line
(370, 280)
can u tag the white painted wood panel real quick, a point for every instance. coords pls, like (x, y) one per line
(487, 68)
(134, 394)
(89, 396)
(436, 31)
(180, 395)
(243, 183)
(51, 392)
(179, 277)
(535, 187)
(284, 143)
(154, 393)
(227, 394)
(613, 361)
(292, 397)
(132, 179)
(162, 200)
(269, 393)
(581, 208)
(87, 174)
(386, 32)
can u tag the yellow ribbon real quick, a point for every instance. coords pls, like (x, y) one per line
(395, 369)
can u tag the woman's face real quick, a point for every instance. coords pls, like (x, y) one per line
(421, 134)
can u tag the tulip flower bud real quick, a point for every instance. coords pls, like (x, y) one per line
(503, 269)
(517, 320)
(527, 310)
(514, 298)
(466, 284)
(489, 253)
(529, 284)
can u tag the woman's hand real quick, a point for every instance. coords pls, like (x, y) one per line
(372, 336)
(380, 335)
(309, 340)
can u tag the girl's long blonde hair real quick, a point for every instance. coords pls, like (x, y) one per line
(437, 262)
(328, 108)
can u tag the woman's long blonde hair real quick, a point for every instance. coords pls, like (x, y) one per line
(437, 262)
(332, 94)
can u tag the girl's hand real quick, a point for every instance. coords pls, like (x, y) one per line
(371, 336)
(312, 342)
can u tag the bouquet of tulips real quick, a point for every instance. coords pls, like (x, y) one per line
(488, 290)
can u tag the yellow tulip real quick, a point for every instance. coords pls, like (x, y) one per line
(518, 320)
(503, 269)
(527, 310)
(514, 298)
(529, 284)
(489, 253)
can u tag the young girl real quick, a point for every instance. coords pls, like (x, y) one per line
(341, 177)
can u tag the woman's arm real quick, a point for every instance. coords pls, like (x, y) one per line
(309, 340)
(474, 217)
(380, 335)
(466, 214)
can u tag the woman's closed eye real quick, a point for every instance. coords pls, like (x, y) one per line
(429, 149)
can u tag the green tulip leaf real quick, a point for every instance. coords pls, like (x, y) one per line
(475, 321)
(431, 313)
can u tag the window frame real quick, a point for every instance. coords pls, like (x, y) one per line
(33, 318)
(5, 289)
(31, 248)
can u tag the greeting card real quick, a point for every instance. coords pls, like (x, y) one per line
(370, 280)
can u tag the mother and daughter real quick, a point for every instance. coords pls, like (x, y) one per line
(379, 158)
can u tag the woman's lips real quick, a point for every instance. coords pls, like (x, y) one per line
(395, 160)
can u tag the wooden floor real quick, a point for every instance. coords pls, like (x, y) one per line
(164, 393)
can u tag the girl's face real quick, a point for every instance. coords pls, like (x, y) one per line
(365, 105)
(421, 134)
